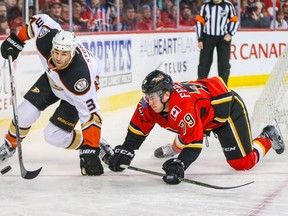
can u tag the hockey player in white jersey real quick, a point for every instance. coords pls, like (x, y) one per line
(71, 76)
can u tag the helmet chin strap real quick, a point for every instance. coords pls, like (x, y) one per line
(164, 103)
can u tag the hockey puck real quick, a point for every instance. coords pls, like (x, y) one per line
(6, 169)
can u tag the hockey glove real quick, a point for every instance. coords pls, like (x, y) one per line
(174, 169)
(121, 156)
(90, 163)
(12, 46)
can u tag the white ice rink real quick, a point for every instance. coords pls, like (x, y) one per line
(61, 190)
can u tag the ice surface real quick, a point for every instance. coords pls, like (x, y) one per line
(61, 190)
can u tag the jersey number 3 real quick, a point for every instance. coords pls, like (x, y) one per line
(90, 104)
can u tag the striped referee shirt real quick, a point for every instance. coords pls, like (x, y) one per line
(216, 19)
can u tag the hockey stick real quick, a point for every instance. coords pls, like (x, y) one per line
(24, 173)
(187, 180)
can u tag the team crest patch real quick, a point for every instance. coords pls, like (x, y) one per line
(81, 85)
(43, 32)
(175, 112)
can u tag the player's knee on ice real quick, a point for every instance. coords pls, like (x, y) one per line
(245, 163)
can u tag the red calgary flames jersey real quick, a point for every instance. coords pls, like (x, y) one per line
(194, 107)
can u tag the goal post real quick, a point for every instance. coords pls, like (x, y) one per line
(273, 101)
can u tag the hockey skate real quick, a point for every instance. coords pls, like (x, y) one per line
(6, 151)
(164, 151)
(273, 133)
(105, 151)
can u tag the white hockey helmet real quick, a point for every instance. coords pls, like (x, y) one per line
(64, 41)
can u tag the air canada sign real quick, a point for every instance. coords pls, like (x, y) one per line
(248, 51)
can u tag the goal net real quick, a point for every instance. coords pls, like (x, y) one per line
(273, 101)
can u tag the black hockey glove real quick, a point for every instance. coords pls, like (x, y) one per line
(121, 156)
(174, 169)
(90, 163)
(12, 46)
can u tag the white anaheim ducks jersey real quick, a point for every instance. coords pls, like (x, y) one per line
(77, 83)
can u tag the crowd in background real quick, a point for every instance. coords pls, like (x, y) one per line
(135, 15)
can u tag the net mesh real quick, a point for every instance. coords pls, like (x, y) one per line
(273, 101)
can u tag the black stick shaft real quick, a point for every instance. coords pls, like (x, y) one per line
(188, 180)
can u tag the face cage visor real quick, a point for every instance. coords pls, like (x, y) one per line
(152, 97)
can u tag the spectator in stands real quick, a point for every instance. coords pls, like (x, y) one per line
(79, 25)
(269, 7)
(166, 6)
(146, 21)
(55, 8)
(112, 16)
(186, 18)
(159, 22)
(95, 13)
(32, 10)
(43, 6)
(145, 2)
(3, 9)
(65, 16)
(244, 5)
(4, 27)
(285, 11)
(194, 5)
(254, 17)
(129, 19)
(11, 6)
(173, 14)
(15, 19)
(167, 22)
(82, 3)
(280, 21)
(135, 3)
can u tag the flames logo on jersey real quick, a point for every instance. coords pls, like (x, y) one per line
(81, 85)
(175, 112)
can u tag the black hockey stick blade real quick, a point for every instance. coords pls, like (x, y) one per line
(24, 172)
(188, 180)
(29, 174)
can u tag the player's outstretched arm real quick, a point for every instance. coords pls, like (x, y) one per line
(12, 46)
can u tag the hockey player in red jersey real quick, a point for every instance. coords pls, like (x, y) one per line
(192, 109)
(71, 77)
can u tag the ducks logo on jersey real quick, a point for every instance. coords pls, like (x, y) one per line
(81, 85)
(43, 32)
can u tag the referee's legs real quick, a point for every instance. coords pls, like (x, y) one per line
(206, 57)
(223, 56)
